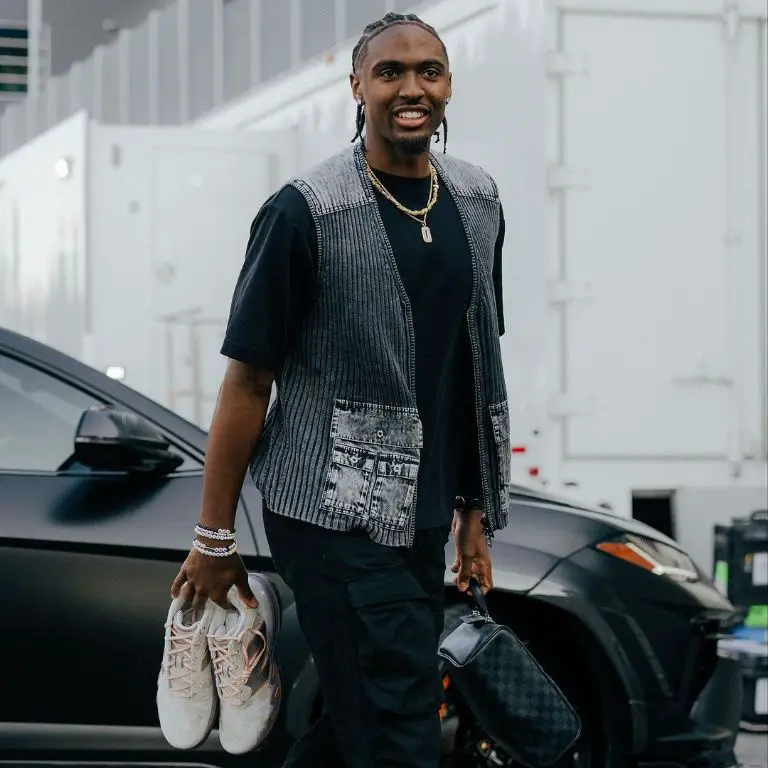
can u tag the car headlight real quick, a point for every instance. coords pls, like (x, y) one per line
(653, 556)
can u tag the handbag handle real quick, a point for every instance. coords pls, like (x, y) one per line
(478, 597)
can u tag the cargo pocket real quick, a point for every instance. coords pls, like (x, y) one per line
(374, 462)
(396, 643)
(500, 424)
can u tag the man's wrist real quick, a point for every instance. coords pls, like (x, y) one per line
(467, 503)
(472, 510)
(214, 536)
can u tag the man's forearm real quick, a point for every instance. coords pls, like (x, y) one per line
(235, 431)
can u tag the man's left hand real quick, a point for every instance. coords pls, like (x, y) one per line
(472, 555)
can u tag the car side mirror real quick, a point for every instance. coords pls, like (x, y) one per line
(111, 438)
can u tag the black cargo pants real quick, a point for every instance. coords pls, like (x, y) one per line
(372, 616)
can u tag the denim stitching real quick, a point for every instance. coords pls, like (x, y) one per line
(294, 459)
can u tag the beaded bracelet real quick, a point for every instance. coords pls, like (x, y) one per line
(203, 549)
(220, 534)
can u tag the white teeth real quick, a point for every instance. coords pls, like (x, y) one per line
(411, 115)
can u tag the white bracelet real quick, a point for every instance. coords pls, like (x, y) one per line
(203, 549)
(221, 534)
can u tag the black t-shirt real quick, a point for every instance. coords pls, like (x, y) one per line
(276, 288)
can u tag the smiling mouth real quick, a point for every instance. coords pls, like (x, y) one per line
(411, 119)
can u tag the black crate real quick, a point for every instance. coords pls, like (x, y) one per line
(752, 657)
(741, 559)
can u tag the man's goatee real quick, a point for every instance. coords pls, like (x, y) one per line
(409, 146)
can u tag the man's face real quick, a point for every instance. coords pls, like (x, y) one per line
(404, 82)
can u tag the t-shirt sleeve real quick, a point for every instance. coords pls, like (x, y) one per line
(498, 283)
(276, 285)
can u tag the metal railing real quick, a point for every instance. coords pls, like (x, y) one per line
(189, 58)
(188, 390)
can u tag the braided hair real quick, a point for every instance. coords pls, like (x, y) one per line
(361, 49)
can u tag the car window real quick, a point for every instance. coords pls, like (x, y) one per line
(38, 418)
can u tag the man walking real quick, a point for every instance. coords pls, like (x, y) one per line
(371, 295)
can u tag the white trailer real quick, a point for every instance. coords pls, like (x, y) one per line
(121, 245)
(628, 138)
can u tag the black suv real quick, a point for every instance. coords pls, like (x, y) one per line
(94, 525)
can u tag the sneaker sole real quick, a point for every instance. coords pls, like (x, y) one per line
(265, 586)
(276, 604)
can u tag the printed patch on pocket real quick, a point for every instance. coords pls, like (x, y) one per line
(374, 462)
(349, 479)
(394, 490)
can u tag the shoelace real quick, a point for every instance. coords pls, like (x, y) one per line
(179, 662)
(231, 665)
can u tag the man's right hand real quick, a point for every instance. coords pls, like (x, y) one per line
(235, 431)
(203, 577)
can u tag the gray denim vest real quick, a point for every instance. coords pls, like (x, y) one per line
(342, 440)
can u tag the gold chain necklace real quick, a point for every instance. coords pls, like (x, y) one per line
(419, 215)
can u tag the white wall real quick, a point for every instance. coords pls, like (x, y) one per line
(43, 238)
(169, 215)
(148, 222)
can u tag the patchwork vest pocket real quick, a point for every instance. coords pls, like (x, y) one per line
(500, 424)
(374, 463)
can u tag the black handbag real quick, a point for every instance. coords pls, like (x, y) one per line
(516, 703)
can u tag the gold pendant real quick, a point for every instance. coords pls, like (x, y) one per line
(426, 234)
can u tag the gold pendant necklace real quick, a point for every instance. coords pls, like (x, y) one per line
(426, 232)
(419, 215)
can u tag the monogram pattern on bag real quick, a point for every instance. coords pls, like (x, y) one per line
(521, 706)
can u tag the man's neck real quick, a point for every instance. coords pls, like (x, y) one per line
(386, 160)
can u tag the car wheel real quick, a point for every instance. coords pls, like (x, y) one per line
(467, 746)
(600, 740)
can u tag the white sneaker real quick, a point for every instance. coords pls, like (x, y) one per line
(243, 645)
(186, 699)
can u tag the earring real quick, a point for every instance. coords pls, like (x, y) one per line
(447, 101)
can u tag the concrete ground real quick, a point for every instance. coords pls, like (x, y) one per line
(752, 750)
